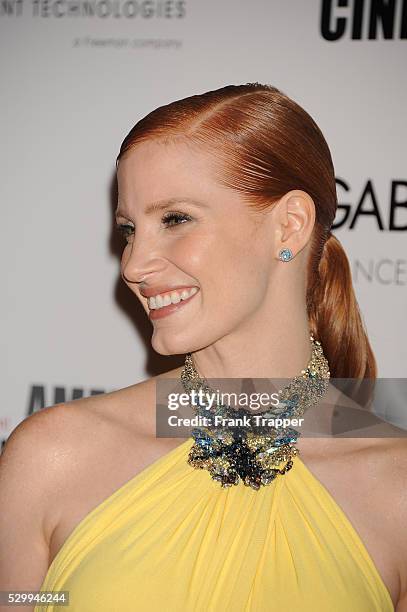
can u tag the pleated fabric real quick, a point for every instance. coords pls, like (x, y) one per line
(172, 540)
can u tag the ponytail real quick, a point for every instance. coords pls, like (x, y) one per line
(335, 318)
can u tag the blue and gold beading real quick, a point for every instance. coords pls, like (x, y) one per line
(254, 457)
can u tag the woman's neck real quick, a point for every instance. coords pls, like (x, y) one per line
(280, 351)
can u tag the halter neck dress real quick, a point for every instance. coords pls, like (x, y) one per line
(172, 539)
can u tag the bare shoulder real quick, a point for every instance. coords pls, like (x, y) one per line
(60, 462)
(49, 437)
(33, 441)
(376, 473)
(386, 457)
(38, 453)
(386, 463)
(30, 466)
(48, 443)
(394, 464)
(130, 407)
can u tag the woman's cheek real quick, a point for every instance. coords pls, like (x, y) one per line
(197, 250)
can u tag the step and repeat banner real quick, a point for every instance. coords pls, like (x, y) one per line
(78, 74)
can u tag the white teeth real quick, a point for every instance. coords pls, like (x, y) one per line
(158, 301)
(175, 297)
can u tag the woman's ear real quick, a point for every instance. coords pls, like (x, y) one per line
(294, 221)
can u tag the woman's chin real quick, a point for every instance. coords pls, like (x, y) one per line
(172, 347)
(174, 344)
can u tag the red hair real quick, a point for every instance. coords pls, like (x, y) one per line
(266, 145)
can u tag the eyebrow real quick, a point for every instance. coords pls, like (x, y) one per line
(164, 204)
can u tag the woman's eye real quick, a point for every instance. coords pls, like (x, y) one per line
(177, 217)
(125, 230)
(169, 219)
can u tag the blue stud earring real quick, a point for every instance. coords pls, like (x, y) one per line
(285, 254)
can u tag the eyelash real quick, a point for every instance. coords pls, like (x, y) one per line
(126, 230)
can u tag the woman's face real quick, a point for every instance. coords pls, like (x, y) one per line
(208, 239)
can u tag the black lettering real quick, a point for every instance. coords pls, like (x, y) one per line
(403, 25)
(328, 32)
(375, 210)
(345, 207)
(394, 204)
(382, 10)
(357, 19)
(60, 394)
(37, 399)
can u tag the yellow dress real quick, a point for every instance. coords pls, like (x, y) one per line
(172, 540)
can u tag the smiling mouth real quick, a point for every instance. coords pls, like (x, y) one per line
(161, 300)
(165, 304)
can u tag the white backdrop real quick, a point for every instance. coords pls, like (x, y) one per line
(78, 74)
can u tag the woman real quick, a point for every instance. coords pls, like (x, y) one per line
(230, 197)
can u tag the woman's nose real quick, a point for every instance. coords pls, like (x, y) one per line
(140, 261)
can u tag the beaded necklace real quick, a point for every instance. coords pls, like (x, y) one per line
(244, 455)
